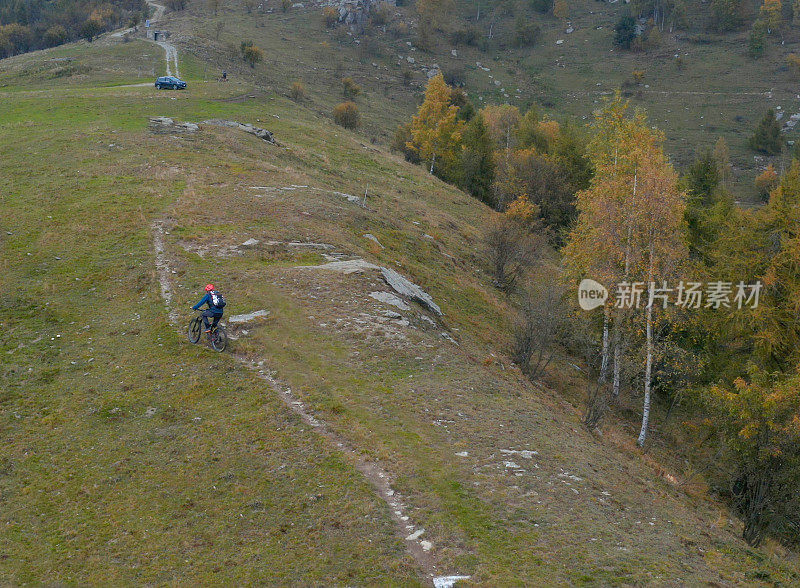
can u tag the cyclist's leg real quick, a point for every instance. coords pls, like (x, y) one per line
(217, 318)
(206, 315)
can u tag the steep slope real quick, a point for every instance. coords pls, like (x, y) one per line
(131, 456)
(695, 86)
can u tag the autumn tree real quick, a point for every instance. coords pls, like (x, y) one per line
(758, 419)
(722, 155)
(770, 14)
(630, 228)
(435, 129)
(766, 181)
(502, 121)
(560, 9)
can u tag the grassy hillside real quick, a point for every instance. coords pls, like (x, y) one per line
(130, 456)
(715, 89)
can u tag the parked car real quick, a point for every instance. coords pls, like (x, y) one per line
(170, 83)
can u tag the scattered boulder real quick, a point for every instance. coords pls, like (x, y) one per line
(406, 288)
(164, 124)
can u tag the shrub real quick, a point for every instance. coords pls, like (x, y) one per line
(399, 29)
(382, 15)
(346, 115)
(767, 136)
(55, 35)
(176, 5)
(625, 32)
(793, 61)
(456, 77)
(297, 91)
(513, 244)
(526, 34)
(766, 181)
(468, 36)
(331, 16)
(286, 5)
(350, 89)
(541, 6)
(401, 141)
(252, 55)
(538, 329)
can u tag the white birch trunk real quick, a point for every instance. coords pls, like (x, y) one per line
(648, 370)
(604, 358)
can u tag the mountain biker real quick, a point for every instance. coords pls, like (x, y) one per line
(216, 305)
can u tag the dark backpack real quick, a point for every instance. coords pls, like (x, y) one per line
(217, 299)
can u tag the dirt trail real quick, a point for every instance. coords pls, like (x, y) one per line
(163, 270)
(169, 49)
(413, 536)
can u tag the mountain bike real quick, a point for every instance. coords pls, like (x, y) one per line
(218, 339)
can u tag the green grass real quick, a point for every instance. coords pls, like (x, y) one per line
(131, 456)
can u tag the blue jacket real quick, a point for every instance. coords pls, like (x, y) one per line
(207, 300)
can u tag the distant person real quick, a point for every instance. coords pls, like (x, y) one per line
(216, 304)
(224, 76)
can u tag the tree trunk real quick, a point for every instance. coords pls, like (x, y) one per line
(604, 361)
(433, 159)
(648, 370)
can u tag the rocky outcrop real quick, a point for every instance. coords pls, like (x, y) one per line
(355, 12)
(164, 124)
(409, 289)
(246, 127)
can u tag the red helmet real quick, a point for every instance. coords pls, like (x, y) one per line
(209, 287)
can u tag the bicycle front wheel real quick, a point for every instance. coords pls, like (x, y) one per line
(194, 330)
(219, 339)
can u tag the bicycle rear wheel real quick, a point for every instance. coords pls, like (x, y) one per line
(194, 330)
(219, 339)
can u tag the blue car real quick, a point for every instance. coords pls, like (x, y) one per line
(170, 83)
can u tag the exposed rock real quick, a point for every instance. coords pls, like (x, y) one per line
(246, 127)
(410, 290)
(391, 299)
(448, 581)
(250, 243)
(373, 238)
(343, 267)
(246, 318)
